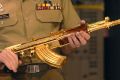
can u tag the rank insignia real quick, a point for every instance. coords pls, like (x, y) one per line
(48, 5)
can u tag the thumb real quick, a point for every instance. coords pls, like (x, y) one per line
(83, 22)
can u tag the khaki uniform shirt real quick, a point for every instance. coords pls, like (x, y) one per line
(25, 22)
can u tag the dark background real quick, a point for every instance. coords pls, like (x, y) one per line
(112, 42)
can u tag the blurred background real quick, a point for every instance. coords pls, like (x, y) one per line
(100, 58)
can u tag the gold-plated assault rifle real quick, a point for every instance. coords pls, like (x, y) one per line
(43, 47)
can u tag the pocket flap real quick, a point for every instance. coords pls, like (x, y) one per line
(11, 20)
(49, 15)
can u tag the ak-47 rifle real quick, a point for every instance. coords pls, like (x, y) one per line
(42, 47)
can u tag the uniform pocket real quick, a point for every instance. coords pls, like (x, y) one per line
(11, 20)
(49, 15)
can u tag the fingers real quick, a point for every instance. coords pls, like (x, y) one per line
(85, 35)
(5, 60)
(10, 66)
(81, 38)
(71, 42)
(13, 62)
(9, 59)
(13, 57)
(78, 38)
(74, 41)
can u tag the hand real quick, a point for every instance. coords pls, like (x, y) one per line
(79, 38)
(10, 59)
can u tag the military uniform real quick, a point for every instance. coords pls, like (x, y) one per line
(23, 20)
